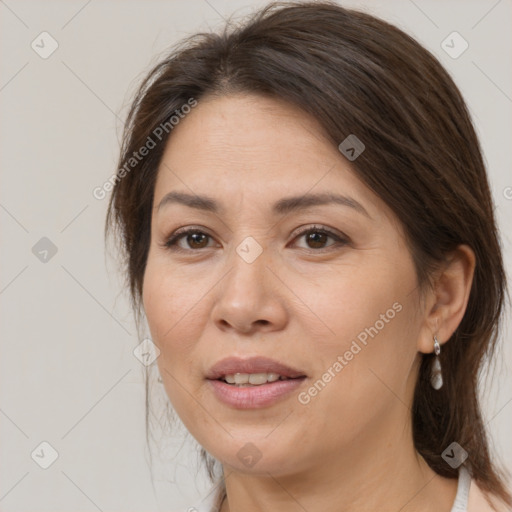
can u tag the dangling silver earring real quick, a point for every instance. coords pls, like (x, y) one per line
(436, 377)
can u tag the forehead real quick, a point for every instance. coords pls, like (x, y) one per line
(243, 129)
(256, 147)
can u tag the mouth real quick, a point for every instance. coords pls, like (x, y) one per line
(253, 379)
(253, 383)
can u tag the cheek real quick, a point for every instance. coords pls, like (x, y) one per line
(169, 303)
(171, 306)
(365, 362)
(357, 299)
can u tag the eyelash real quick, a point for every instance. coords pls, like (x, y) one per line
(171, 242)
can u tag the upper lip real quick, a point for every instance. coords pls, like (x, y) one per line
(232, 365)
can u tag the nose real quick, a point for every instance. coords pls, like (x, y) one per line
(248, 299)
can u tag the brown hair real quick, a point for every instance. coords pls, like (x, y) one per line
(358, 75)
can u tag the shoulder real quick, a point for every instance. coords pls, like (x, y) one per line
(478, 503)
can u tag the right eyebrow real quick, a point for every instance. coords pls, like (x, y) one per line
(191, 200)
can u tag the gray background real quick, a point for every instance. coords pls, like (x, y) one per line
(68, 374)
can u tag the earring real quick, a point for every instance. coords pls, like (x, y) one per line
(436, 378)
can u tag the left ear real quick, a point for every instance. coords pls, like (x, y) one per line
(446, 303)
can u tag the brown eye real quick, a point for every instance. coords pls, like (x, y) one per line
(194, 238)
(197, 240)
(317, 238)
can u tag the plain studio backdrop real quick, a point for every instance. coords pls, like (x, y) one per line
(69, 377)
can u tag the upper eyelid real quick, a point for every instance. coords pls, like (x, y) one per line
(183, 232)
(318, 227)
(299, 231)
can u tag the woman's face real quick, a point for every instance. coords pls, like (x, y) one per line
(321, 291)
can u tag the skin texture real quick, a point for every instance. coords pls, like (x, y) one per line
(350, 447)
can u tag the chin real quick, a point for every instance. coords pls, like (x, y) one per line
(257, 455)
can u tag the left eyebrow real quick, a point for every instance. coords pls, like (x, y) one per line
(281, 207)
(295, 203)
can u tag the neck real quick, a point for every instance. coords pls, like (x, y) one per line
(386, 475)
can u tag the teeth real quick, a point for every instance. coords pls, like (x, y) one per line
(241, 378)
(255, 379)
(258, 378)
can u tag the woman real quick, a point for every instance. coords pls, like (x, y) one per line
(309, 231)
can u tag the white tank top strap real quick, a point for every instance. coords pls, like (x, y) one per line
(461, 499)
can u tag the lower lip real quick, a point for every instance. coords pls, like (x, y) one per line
(254, 397)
